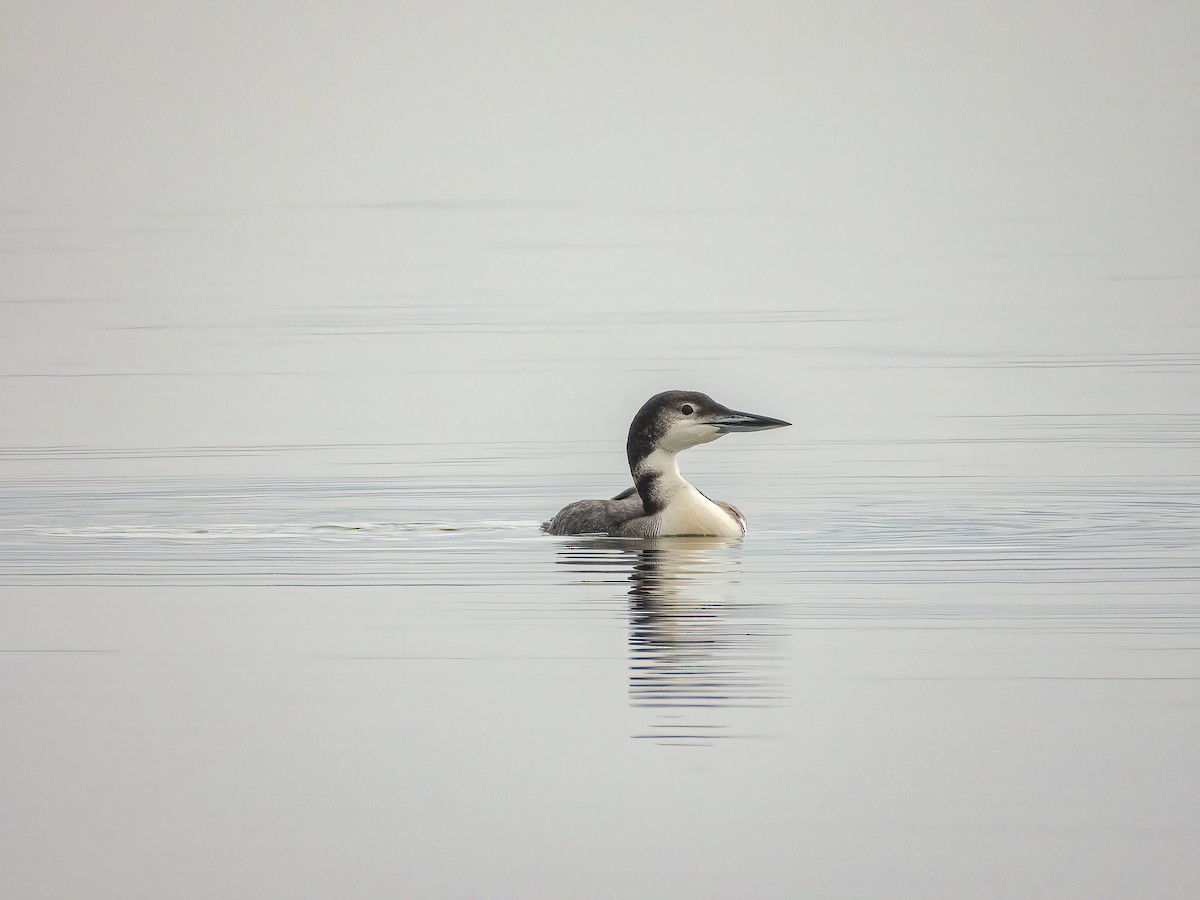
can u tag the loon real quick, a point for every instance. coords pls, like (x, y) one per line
(662, 503)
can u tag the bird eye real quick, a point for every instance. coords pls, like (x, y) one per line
(686, 409)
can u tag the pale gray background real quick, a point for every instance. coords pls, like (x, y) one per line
(309, 313)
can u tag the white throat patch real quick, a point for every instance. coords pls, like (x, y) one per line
(685, 510)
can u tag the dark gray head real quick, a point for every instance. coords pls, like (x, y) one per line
(675, 420)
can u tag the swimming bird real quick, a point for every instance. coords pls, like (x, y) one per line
(661, 502)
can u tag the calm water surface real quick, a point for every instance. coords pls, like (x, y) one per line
(277, 619)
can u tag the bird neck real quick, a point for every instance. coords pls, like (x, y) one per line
(657, 478)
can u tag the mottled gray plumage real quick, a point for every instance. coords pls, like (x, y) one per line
(662, 503)
(597, 516)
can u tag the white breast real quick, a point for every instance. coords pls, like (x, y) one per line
(690, 512)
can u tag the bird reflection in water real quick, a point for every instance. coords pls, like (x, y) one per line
(698, 660)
